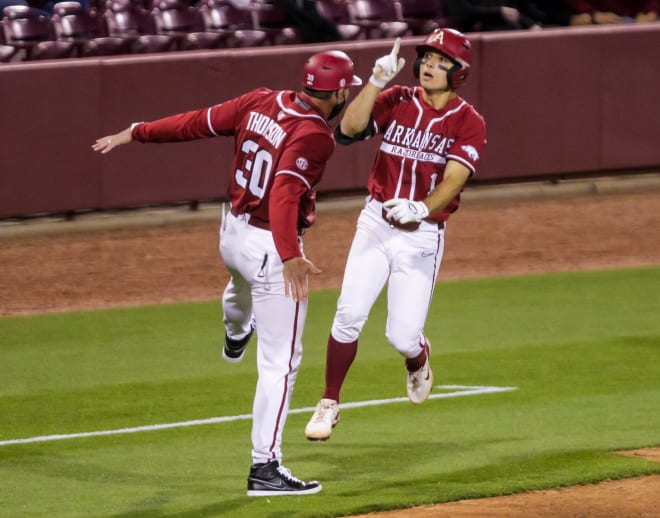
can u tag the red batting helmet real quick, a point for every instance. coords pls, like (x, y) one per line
(328, 71)
(455, 46)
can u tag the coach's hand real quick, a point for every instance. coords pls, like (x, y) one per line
(405, 211)
(295, 277)
(387, 67)
(108, 143)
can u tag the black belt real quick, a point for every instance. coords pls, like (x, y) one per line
(411, 226)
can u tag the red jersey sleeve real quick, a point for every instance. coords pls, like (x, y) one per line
(175, 128)
(220, 119)
(471, 141)
(291, 205)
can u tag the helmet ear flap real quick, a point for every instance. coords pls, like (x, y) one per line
(450, 76)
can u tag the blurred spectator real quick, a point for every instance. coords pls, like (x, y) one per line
(603, 12)
(553, 13)
(313, 27)
(46, 6)
(493, 15)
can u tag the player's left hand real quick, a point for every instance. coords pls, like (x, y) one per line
(405, 211)
(295, 277)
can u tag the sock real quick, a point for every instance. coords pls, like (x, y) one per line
(416, 363)
(339, 357)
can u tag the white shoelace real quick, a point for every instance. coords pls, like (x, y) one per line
(286, 473)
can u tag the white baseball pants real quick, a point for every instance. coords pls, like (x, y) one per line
(256, 289)
(408, 261)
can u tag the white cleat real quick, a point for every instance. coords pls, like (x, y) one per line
(325, 417)
(420, 382)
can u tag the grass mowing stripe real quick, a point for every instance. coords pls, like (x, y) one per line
(466, 390)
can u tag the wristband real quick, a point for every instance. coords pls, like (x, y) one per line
(378, 83)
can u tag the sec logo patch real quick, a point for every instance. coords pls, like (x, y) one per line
(302, 163)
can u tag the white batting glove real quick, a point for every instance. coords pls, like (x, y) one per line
(405, 211)
(387, 67)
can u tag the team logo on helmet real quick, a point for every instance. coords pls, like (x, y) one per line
(438, 36)
(471, 152)
(302, 163)
(310, 79)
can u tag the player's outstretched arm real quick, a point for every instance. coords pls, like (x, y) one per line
(358, 112)
(109, 142)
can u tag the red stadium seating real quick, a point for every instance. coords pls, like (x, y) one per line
(32, 35)
(186, 24)
(338, 13)
(378, 18)
(7, 52)
(223, 17)
(422, 16)
(127, 20)
(270, 16)
(86, 28)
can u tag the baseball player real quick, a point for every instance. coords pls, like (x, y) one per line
(282, 143)
(431, 143)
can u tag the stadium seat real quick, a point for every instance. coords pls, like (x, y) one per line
(420, 15)
(223, 17)
(378, 18)
(271, 16)
(86, 29)
(338, 13)
(186, 24)
(127, 20)
(7, 52)
(32, 35)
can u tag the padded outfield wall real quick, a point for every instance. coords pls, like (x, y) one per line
(557, 102)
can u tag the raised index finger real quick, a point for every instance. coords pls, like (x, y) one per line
(396, 47)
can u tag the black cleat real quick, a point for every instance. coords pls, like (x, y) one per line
(234, 350)
(271, 479)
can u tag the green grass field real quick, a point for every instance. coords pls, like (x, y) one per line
(581, 349)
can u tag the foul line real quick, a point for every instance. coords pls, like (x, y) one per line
(459, 390)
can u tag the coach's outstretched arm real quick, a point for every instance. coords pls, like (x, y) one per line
(358, 112)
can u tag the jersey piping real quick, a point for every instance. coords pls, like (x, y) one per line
(296, 175)
(295, 113)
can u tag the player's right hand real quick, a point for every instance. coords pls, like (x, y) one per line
(387, 67)
(109, 142)
(295, 277)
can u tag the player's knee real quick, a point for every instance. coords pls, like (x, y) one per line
(406, 341)
(347, 326)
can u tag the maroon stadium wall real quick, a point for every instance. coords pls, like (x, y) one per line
(557, 102)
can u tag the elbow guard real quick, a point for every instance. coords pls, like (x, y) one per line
(365, 134)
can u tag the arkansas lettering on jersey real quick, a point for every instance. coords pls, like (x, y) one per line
(418, 140)
(282, 145)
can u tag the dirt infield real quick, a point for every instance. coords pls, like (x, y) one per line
(150, 257)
